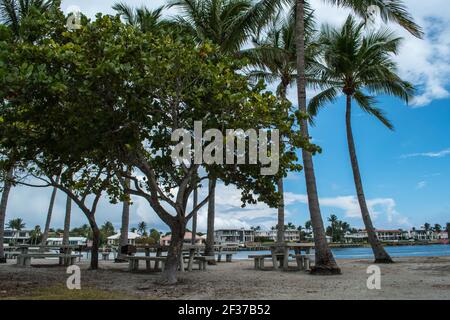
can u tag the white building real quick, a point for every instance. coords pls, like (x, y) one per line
(75, 241)
(165, 241)
(114, 239)
(290, 235)
(18, 237)
(234, 236)
(382, 235)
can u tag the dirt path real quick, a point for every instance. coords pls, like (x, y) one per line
(409, 278)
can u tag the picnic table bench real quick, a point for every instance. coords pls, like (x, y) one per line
(202, 261)
(228, 255)
(24, 259)
(134, 262)
(259, 259)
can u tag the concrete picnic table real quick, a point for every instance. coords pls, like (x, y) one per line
(192, 249)
(63, 249)
(285, 247)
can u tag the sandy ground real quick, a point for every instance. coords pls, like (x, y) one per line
(409, 278)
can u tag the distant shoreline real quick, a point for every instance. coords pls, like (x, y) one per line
(357, 245)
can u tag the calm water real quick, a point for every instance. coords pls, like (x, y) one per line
(438, 250)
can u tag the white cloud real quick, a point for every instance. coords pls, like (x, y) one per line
(438, 154)
(421, 185)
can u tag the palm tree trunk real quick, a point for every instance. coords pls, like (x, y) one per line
(194, 216)
(123, 241)
(3, 205)
(324, 262)
(280, 225)
(49, 216)
(381, 256)
(209, 248)
(67, 221)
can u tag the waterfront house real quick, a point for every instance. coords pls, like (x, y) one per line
(290, 235)
(234, 236)
(382, 235)
(114, 239)
(165, 241)
(75, 241)
(15, 236)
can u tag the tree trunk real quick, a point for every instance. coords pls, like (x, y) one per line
(3, 205)
(209, 248)
(175, 251)
(280, 226)
(49, 216)
(194, 216)
(381, 256)
(324, 262)
(95, 243)
(123, 241)
(66, 234)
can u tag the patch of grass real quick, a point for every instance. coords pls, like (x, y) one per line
(60, 292)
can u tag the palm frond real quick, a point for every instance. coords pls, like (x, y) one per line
(367, 104)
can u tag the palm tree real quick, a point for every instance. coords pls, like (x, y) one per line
(427, 226)
(49, 215)
(3, 205)
(142, 227)
(226, 23)
(391, 10)
(437, 227)
(273, 59)
(334, 220)
(209, 245)
(35, 234)
(12, 12)
(356, 65)
(66, 233)
(133, 230)
(16, 225)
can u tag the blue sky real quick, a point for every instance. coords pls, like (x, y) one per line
(406, 173)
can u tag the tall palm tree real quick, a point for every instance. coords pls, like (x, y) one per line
(35, 234)
(123, 241)
(227, 24)
(359, 65)
(49, 215)
(209, 246)
(273, 58)
(391, 10)
(66, 233)
(3, 205)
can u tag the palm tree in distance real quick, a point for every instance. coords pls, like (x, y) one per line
(358, 66)
(142, 228)
(16, 225)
